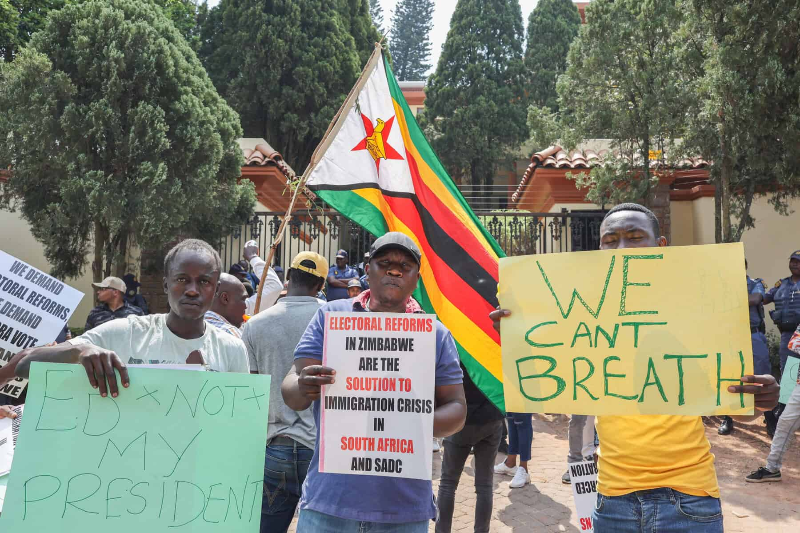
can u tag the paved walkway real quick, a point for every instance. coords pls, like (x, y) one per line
(546, 505)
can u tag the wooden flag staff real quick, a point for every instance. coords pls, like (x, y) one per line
(333, 129)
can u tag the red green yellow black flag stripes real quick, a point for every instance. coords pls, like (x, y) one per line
(376, 168)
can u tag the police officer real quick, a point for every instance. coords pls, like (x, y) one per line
(786, 315)
(132, 295)
(761, 363)
(339, 277)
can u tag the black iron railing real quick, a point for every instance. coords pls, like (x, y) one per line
(326, 231)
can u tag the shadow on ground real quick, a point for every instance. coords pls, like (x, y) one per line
(531, 510)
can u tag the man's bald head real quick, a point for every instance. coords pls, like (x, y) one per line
(231, 299)
(228, 282)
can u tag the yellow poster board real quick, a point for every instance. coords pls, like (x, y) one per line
(621, 332)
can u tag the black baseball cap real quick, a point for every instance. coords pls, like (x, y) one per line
(795, 255)
(397, 240)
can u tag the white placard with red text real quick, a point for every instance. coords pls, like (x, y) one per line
(33, 310)
(584, 489)
(377, 418)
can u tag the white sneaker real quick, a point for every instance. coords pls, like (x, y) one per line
(521, 478)
(503, 469)
(436, 446)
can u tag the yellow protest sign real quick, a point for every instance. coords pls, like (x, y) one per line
(634, 331)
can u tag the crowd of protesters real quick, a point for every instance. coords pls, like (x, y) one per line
(213, 321)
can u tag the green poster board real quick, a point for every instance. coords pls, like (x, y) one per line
(789, 378)
(176, 451)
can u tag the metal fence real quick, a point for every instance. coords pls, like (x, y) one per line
(321, 231)
(326, 231)
(525, 233)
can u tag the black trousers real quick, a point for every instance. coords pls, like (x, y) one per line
(484, 439)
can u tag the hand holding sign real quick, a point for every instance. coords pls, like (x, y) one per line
(312, 378)
(766, 390)
(100, 364)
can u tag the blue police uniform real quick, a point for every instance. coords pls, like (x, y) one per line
(761, 364)
(786, 315)
(340, 293)
(364, 282)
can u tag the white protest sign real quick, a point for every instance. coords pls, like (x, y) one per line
(584, 490)
(33, 310)
(377, 418)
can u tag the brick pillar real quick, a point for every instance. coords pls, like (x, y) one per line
(658, 201)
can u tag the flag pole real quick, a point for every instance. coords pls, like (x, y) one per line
(333, 129)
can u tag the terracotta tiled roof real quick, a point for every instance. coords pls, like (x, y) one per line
(557, 157)
(264, 154)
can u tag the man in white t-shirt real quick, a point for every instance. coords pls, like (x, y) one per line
(191, 278)
(272, 283)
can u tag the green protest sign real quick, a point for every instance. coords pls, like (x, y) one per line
(176, 451)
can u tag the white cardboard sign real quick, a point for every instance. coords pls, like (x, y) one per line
(584, 491)
(377, 418)
(33, 310)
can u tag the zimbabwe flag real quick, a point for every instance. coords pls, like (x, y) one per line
(376, 168)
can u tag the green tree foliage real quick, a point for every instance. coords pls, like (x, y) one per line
(285, 66)
(744, 59)
(19, 19)
(552, 26)
(376, 11)
(706, 78)
(122, 137)
(474, 110)
(358, 22)
(412, 22)
(622, 83)
(187, 16)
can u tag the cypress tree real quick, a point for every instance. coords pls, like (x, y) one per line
(115, 134)
(411, 46)
(285, 66)
(474, 109)
(376, 11)
(358, 22)
(552, 26)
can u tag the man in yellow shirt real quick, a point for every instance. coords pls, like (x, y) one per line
(656, 472)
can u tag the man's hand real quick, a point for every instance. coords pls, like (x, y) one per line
(7, 411)
(765, 389)
(312, 378)
(250, 250)
(99, 365)
(497, 315)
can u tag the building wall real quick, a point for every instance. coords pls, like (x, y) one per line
(703, 214)
(574, 207)
(767, 246)
(682, 214)
(16, 240)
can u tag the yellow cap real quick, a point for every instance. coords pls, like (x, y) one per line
(320, 268)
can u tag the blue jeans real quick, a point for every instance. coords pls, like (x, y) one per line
(520, 435)
(285, 469)
(314, 522)
(657, 511)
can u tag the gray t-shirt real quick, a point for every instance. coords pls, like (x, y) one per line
(271, 337)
